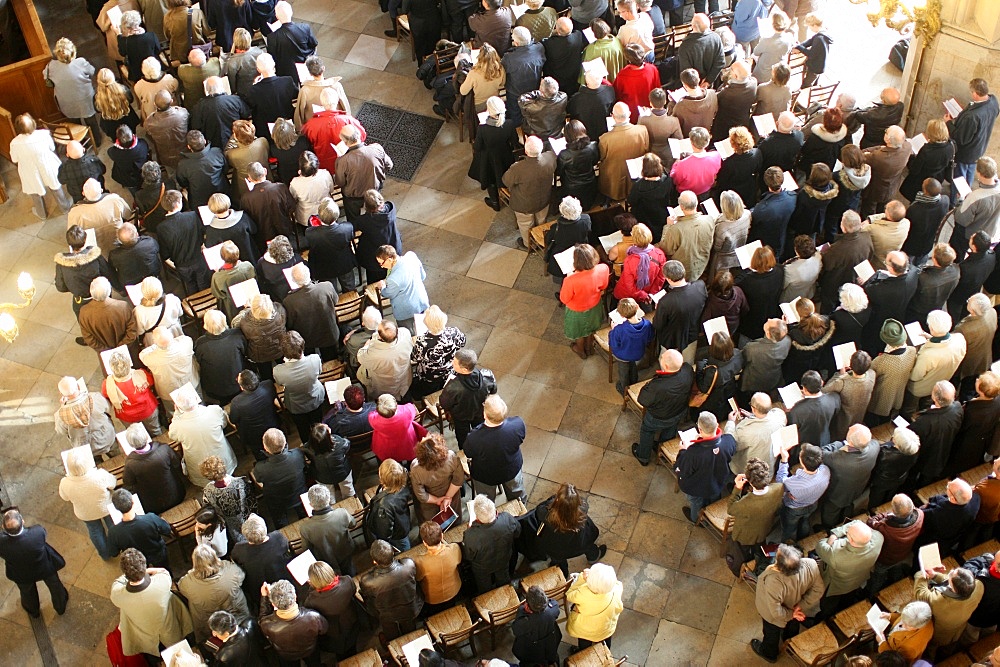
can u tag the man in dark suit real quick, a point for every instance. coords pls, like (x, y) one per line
(935, 283)
(735, 100)
(851, 464)
(972, 128)
(839, 260)
(144, 532)
(330, 247)
(291, 43)
(948, 515)
(925, 215)
(29, 559)
(878, 117)
(678, 314)
(937, 427)
(312, 311)
(563, 53)
(252, 411)
(592, 103)
(972, 273)
(815, 411)
(773, 211)
(781, 148)
(665, 398)
(889, 292)
(214, 114)
(523, 64)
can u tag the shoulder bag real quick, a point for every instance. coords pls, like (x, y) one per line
(698, 397)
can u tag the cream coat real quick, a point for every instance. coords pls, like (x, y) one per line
(36, 160)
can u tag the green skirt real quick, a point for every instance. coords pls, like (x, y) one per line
(582, 324)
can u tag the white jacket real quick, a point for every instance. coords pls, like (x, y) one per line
(90, 493)
(36, 160)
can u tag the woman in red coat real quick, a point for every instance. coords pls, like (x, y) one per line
(581, 294)
(642, 271)
(635, 80)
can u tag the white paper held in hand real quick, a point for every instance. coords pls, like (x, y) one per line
(710, 208)
(565, 260)
(611, 240)
(134, 294)
(123, 443)
(616, 318)
(634, 168)
(304, 499)
(610, 123)
(91, 241)
(878, 623)
(865, 270)
(789, 182)
(916, 334)
(299, 566)
(725, 148)
(952, 106)
(962, 186)
(788, 310)
(213, 257)
(519, 10)
(900, 422)
(589, 34)
(677, 95)
(206, 215)
(107, 354)
(679, 146)
(340, 148)
(784, 438)
(596, 65)
(412, 650)
(659, 295)
(644, 111)
(115, 16)
(765, 124)
(180, 647)
(790, 395)
(303, 72)
(335, 389)
(714, 326)
(418, 324)
(842, 354)
(917, 142)
(558, 144)
(243, 292)
(745, 253)
(688, 436)
(116, 516)
(929, 557)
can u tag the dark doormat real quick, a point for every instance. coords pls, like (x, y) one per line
(404, 135)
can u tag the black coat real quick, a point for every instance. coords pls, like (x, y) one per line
(288, 159)
(244, 648)
(809, 217)
(648, 202)
(136, 48)
(203, 173)
(564, 235)
(665, 396)
(312, 312)
(740, 173)
(213, 115)
(28, 556)
(931, 161)
(493, 153)
(127, 163)
(273, 98)
(523, 65)
(576, 173)
(537, 634)
(75, 271)
(253, 413)
(769, 219)
(763, 293)
(180, 237)
(562, 59)
(331, 250)
(735, 101)
(591, 106)
(377, 229)
(891, 468)
(220, 359)
(780, 150)
(924, 219)
(261, 562)
(332, 467)
(677, 319)
(813, 417)
(271, 276)
(133, 264)
(937, 428)
(157, 474)
(945, 522)
(977, 435)
(989, 607)
(877, 120)
(972, 128)
(225, 17)
(488, 549)
(934, 287)
(972, 273)
(292, 43)
(888, 297)
(338, 608)
(240, 231)
(817, 149)
(538, 544)
(838, 265)
(807, 353)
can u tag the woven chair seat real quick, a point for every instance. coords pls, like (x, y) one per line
(538, 235)
(597, 655)
(452, 620)
(814, 642)
(990, 547)
(115, 466)
(853, 620)
(883, 432)
(601, 338)
(896, 596)
(547, 579)
(931, 490)
(717, 514)
(808, 543)
(397, 644)
(669, 451)
(975, 475)
(352, 505)
(494, 601)
(369, 658)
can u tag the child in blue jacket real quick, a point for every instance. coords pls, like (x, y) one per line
(628, 341)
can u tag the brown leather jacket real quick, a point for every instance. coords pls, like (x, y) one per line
(392, 593)
(294, 639)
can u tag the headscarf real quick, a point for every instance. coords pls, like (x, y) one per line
(642, 272)
(497, 110)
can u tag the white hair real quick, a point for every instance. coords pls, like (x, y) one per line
(68, 386)
(978, 304)
(213, 85)
(858, 436)
(786, 121)
(301, 274)
(151, 68)
(938, 322)
(570, 208)
(853, 298)
(521, 36)
(484, 509)
(215, 322)
(906, 441)
(136, 436)
(916, 614)
(265, 63)
(687, 200)
(100, 288)
(895, 136)
(186, 401)
(283, 11)
(620, 112)
(371, 318)
(92, 189)
(708, 424)
(532, 146)
(319, 497)
(601, 578)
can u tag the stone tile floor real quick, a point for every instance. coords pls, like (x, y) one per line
(682, 604)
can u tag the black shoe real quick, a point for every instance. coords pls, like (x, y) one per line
(519, 244)
(635, 453)
(439, 111)
(601, 550)
(390, 33)
(756, 645)
(492, 203)
(686, 511)
(80, 341)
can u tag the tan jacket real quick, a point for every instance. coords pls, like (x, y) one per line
(104, 216)
(886, 236)
(621, 143)
(978, 333)
(950, 613)
(438, 573)
(935, 362)
(309, 95)
(778, 594)
(107, 324)
(689, 241)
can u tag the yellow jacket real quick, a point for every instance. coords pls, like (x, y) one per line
(593, 617)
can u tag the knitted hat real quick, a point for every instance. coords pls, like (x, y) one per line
(893, 333)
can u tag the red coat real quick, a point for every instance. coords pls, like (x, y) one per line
(323, 131)
(626, 284)
(632, 86)
(138, 405)
(394, 437)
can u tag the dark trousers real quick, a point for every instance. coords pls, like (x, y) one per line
(194, 278)
(773, 636)
(706, 6)
(312, 660)
(352, 208)
(463, 428)
(795, 522)
(304, 422)
(959, 242)
(586, 643)
(29, 595)
(830, 515)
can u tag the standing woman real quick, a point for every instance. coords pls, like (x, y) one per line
(853, 177)
(559, 529)
(310, 187)
(240, 64)
(575, 165)
(761, 284)
(157, 309)
(288, 146)
(810, 341)
(650, 195)
(113, 102)
(331, 466)
(809, 216)
(741, 171)
(89, 488)
(34, 153)
(596, 599)
(263, 325)
(135, 44)
(232, 497)
(425, 26)
(642, 270)
(224, 17)
(731, 230)
(378, 228)
(572, 227)
(934, 159)
(212, 585)
(635, 80)
(433, 353)
(581, 293)
(493, 152)
(243, 149)
(485, 79)
(131, 394)
(70, 78)
(436, 478)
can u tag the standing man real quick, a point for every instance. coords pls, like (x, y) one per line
(887, 163)
(851, 465)
(980, 210)
(30, 559)
(291, 43)
(312, 311)
(361, 168)
(688, 238)
(971, 129)
(213, 115)
(678, 314)
(282, 476)
(403, 285)
(530, 184)
(702, 50)
(665, 401)
(849, 553)
(465, 392)
(788, 592)
(327, 532)
(167, 128)
(494, 451)
(624, 141)
(181, 235)
(80, 167)
(563, 54)
(106, 323)
(703, 466)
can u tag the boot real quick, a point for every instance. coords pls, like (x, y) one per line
(580, 347)
(590, 344)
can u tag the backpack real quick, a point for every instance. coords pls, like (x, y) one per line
(897, 54)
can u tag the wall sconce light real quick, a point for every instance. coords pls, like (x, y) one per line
(8, 326)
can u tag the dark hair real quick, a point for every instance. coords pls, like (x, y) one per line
(248, 380)
(979, 87)
(722, 284)
(652, 166)
(172, 199)
(721, 347)
(124, 136)
(773, 178)
(122, 500)
(151, 173)
(354, 396)
(634, 54)
(811, 456)
(292, 344)
(195, 140)
(931, 186)
(690, 77)
(430, 533)
(891, 659)
(625, 222)
(76, 237)
(812, 381)
(805, 247)
(963, 582)
(432, 452)
(851, 156)
(308, 163)
(428, 657)
(980, 242)
(600, 28)
(758, 473)
(576, 135)
(536, 598)
(819, 176)
(381, 552)
(860, 362)
(320, 438)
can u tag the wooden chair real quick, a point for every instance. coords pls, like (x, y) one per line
(817, 97)
(361, 444)
(668, 454)
(852, 622)
(808, 543)
(550, 580)
(369, 658)
(435, 414)
(537, 236)
(64, 131)
(374, 296)
(452, 628)
(722, 20)
(894, 597)
(937, 488)
(631, 399)
(796, 67)
(604, 345)
(975, 475)
(294, 537)
(716, 519)
(196, 305)
(816, 646)
(115, 466)
(403, 34)
(349, 308)
(982, 648)
(883, 432)
(444, 60)
(596, 655)
(181, 517)
(990, 547)
(497, 608)
(395, 647)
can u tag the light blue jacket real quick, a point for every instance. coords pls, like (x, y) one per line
(404, 287)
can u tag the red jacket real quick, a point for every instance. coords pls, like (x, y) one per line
(626, 284)
(137, 405)
(582, 291)
(323, 131)
(632, 86)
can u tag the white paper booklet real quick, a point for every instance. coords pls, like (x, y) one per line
(900, 422)
(303, 72)
(558, 144)
(589, 34)
(679, 146)
(842, 354)
(634, 168)
(615, 318)
(865, 270)
(335, 389)
(784, 438)
(206, 215)
(412, 650)
(565, 260)
(213, 257)
(134, 294)
(878, 623)
(929, 557)
(611, 240)
(962, 186)
(243, 292)
(790, 395)
(299, 566)
(714, 326)
(745, 253)
(952, 107)
(765, 124)
(916, 334)
(917, 142)
(725, 148)
(710, 208)
(789, 183)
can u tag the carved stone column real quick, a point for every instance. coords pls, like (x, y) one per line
(967, 47)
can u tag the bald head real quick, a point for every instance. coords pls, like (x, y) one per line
(895, 136)
(700, 23)
(162, 337)
(889, 96)
(196, 57)
(858, 436)
(213, 86)
(786, 122)
(162, 99)
(959, 491)
(620, 112)
(74, 150)
(739, 71)
(564, 26)
(671, 361)
(858, 534)
(301, 274)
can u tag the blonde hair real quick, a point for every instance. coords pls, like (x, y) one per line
(937, 130)
(219, 203)
(435, 320)
(111, 99)
(321, 575)
(152, 290)
(65, 51)
(488, 63)
(391, 475)
(261, 307)
(642, 236)
(241, 40)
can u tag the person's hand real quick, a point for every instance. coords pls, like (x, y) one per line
(734, 416)
(379, 285)
(265, 589)
(671, 220)
(156, 570)
(830, 540)
(784, 455)
(947, 117)
(444, 503)
(799, 615)
(884, 614)
(740, 481)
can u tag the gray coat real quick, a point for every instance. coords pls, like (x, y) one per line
(219, 592)
(850, 470)
(778, 594)
(72, 87)
(762, 363)
(325, 534)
